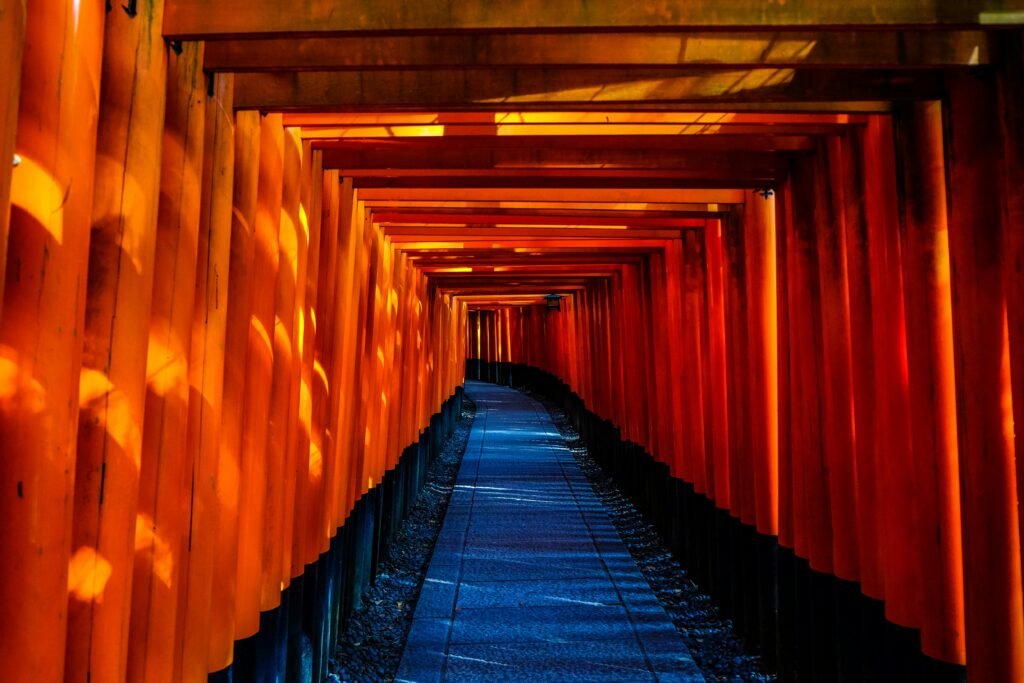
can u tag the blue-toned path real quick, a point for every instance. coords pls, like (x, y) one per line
(529, 580)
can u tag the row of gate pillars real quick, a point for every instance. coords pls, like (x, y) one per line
(296, 640)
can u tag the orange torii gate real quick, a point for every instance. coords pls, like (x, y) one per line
(248, 248)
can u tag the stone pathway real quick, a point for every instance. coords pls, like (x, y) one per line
(529, 580)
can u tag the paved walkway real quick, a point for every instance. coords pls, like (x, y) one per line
(529, 580)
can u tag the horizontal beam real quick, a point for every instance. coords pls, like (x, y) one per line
(525, 145)
(547, 208)
(512, 131)
(526, 246)
(421, 233)
(610, 181)
(540, 260)
(701, 196)
(825, 49)
(203, 19)
(425, 176)
(390, 120)
(452, 218)
(579, 88)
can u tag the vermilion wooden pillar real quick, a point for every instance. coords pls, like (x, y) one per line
(762, 362)
(717, 410)
(40, 338)
(344, 374)
(113, 386)
(236, 342)
(860, 287)
(992, 562)
(836, 380)
(311, 536)
(696, 255)
(737, 357)
(662, 410)
(161, 567)
(297, 444)
(254, 594)
(893, 455)
(280, 476)
(210, 337)
(206, 384)
(321, 326)
(12, 42)
(783, 236)
(695, 359)
(1011, 105)
(812, 512)
(680, 362)
(923, 588)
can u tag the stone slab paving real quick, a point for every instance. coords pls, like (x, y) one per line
(529, 581)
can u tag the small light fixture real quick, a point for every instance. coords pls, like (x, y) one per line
(553, 301)
(17, 161)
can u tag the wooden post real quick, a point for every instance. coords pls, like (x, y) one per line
(1011, 104)
(737, 350)
(206, 367)
(12, 43)
(836, 379)
(40, 338)
(259, 361)
(763, 363)
(117, 314)
(718, 411)
(859, 289)
(812, 509)
(240, 280)
(924, 590)
(994, 608)
(162, 527)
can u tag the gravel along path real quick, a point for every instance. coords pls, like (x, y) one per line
(371, 646)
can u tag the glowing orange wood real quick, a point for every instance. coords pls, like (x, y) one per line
(193, 17)
(309, 467)
(838, 431)
(994, 609)
(240, 277)
(12, 41)
(639, 49)
(159, 587)
(117, 316)
(252, 596)
(936, 571)
(762, 330)
(279, 475)
(40, 338)
(218, 482)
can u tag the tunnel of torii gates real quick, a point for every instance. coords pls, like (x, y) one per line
(248, 247)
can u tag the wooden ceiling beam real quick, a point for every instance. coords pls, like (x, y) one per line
(388, 120)
(194, 19)
(529, 147)
(575, 88)
(399, 219)
(546, 208)
(638, 49)
(632, 195)
(611, 181)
